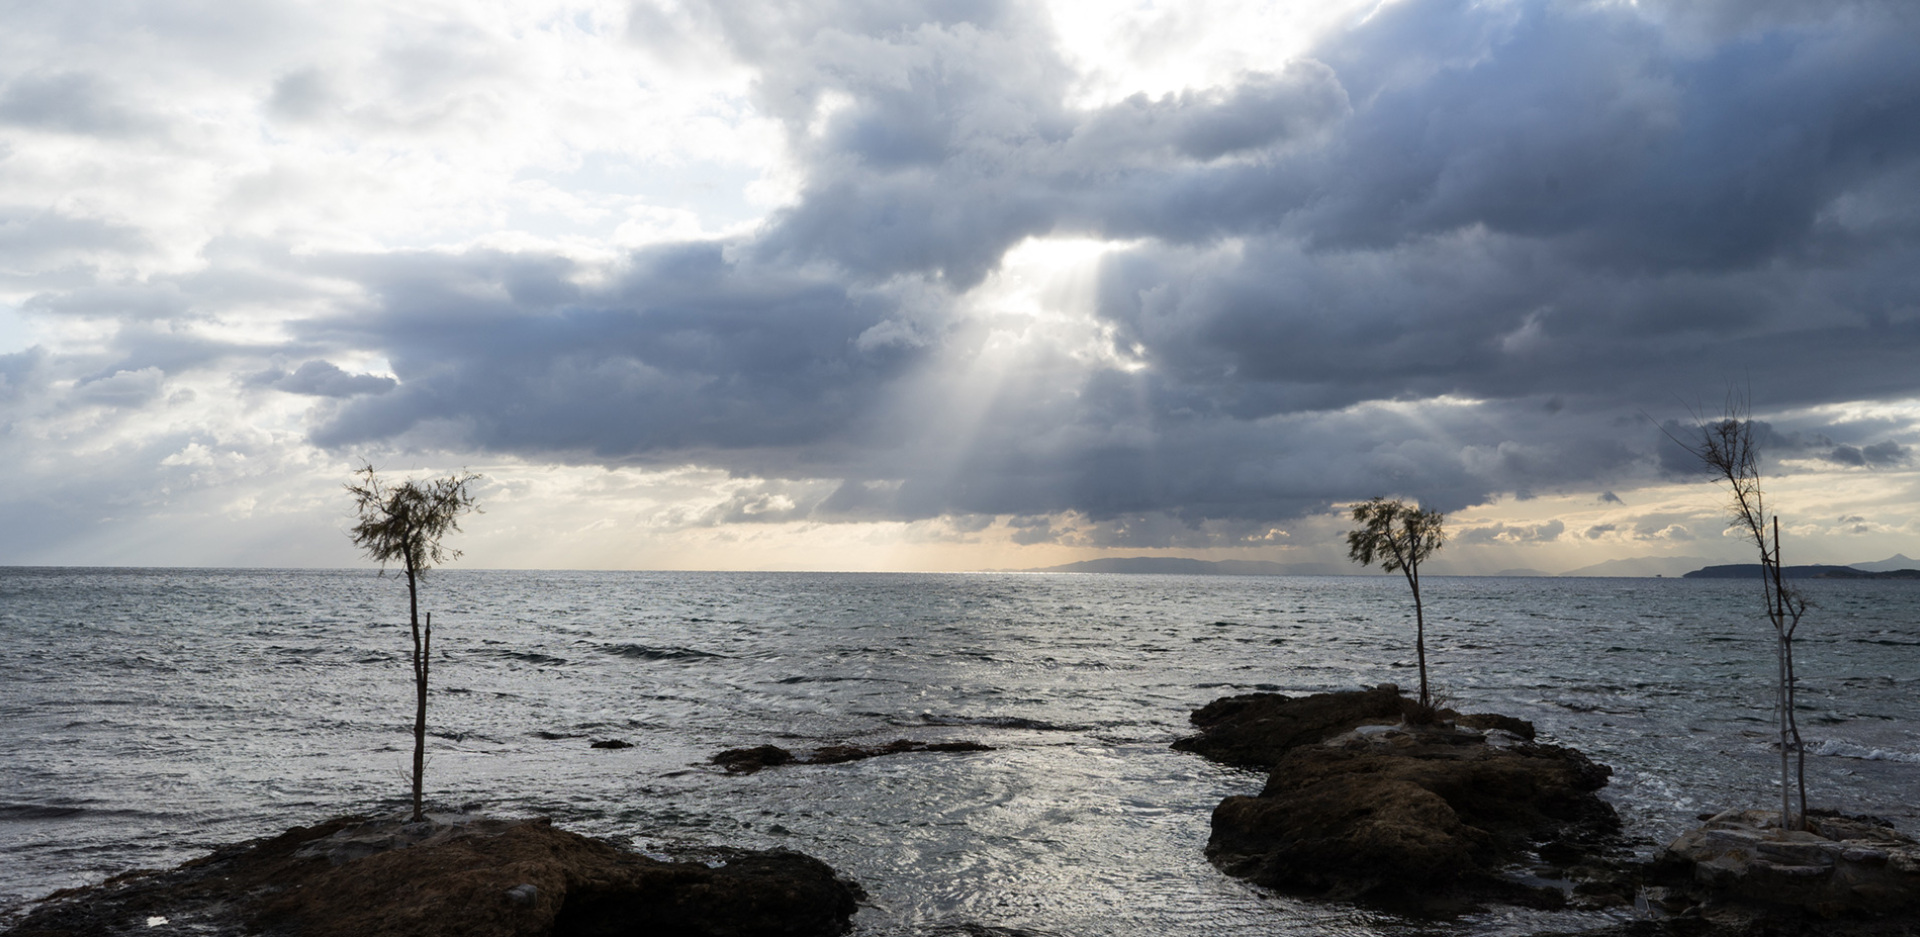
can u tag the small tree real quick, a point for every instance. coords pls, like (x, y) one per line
(1727, 447)
(1400, 537)
(404, 523)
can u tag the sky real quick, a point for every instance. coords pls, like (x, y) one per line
(899, 285)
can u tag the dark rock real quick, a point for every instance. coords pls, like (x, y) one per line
(839, 754)
(1520, 728)
(1393, 812)
(1839, 866)
(611, 743)
(749, 760)
(1372, 797)
(1254, 730)
(460, 875)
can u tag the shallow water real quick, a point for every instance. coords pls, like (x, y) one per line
(148, 715)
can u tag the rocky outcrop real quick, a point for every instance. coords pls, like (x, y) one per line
(749, 760)
(1423, 814)
(1838, 867)
(457, 875)
(1256, 729)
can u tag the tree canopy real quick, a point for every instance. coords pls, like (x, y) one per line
(404, 523)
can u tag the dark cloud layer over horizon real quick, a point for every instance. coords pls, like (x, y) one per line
(1455, 252)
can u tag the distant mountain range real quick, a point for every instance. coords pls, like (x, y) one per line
(1752, 571)
(1891, 563)
(1897, 566)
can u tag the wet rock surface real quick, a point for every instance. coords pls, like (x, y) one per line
(1256, 729)
(1427, 816)
(1840, 867)
(455, 875)
(749, 760)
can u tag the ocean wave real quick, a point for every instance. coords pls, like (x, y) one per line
(643, 652)
(525, 657)
(23, 812)
(1845, 748)
(996, 722)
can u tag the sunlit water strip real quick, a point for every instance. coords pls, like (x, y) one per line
(149, 715)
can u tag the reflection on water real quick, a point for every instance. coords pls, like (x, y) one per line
(153, 714)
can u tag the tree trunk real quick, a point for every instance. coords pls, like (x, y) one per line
(1783, 651)
(1419, 635)
(1786, 744)
(419, 687)
(1800, 745)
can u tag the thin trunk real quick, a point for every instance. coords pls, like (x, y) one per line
(1777, 611)
(1800, 745)
(1789, 621)
(1786, 745)
(419, 687)
(1419, 634)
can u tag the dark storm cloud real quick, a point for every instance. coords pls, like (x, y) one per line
(1449, 257)
(687, 351)
(1585, 129)
(1880, 454)
(322, 379)
(1263, 110)
(956, 142)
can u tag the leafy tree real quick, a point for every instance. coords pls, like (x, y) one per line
(1728, 448)
(404, 524)
(1400, 538)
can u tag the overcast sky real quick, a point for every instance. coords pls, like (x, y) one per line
(950, 284)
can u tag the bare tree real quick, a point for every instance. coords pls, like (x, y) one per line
(1728, 448)
(404, 523)
(1400, 537)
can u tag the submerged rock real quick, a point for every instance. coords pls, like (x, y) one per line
(1427, 815)
(1838, 866)
(749, 760)
(457, 875)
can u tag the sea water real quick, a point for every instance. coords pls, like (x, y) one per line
(147, 716)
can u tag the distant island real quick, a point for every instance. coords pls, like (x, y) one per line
(1752, 571)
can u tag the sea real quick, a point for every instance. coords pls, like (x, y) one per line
(150, 715)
